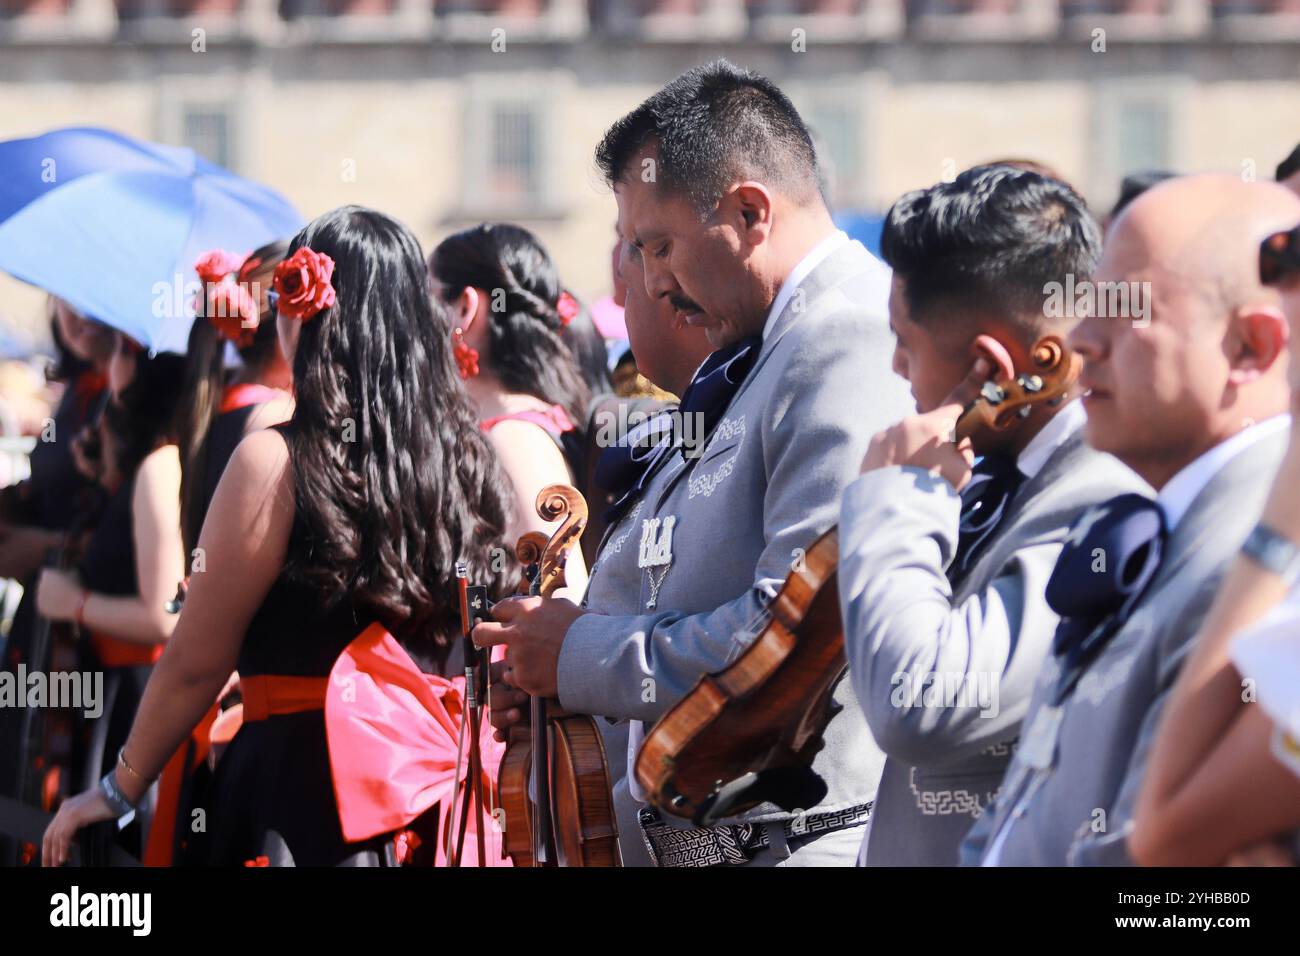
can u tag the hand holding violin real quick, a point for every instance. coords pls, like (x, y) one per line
(926, 440)
(509, 703)
(533, 630)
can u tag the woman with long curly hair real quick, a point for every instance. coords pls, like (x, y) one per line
(330, 547)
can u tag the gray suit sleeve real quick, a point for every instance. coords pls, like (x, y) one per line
(827, 404)
(936, 683)
(1109, 846)
(972, 847)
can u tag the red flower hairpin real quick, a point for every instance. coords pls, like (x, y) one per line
(228, 304)
(216, 265)
(568, 308)
(302, 284)
(233, 312)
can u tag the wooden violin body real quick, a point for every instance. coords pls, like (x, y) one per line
(554, 778)
(748, 734)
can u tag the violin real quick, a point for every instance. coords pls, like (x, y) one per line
(554, 778)
(747, 734)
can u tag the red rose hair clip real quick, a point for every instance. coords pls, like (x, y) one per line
(216, 265)
(302, 284)
(228, 304)
(568, 308)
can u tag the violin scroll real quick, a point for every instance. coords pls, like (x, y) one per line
(554, 503)
(1000, 404)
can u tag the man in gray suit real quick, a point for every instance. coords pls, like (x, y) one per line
(946, 621)
(717, 188)
(1193, 397)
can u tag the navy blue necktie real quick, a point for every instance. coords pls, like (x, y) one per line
(1109, 560)
(625, 467)
(984, 502)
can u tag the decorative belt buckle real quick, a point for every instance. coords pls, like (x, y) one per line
(648, 819)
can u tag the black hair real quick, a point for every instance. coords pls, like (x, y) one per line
(993, 238)
(587, 346)
(143, 418)
(1135, 184)
(1289, 166)
(527, 350)
(394, 480)
(711, 125)
(205, 379)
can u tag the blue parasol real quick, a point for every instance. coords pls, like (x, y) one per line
(113, 225)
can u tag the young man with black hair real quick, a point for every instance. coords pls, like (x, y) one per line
(1193, 396)
(717, 188)
(943, 566)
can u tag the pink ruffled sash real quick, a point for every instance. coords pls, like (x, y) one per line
(392, 732)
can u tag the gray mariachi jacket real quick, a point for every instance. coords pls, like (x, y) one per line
(1080, 810)
(945, 676)
(766, 485)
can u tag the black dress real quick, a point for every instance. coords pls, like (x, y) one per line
(109, 567)
(182, 846)
(272, 796)
(224, 436)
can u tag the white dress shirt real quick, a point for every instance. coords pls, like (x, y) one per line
(806, 265)
(1050, 437)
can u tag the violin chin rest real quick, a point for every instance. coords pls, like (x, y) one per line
(790, 788)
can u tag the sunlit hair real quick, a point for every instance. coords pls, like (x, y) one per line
(714, 125)
(394, 481)
(527, 350)
(205, 380)
(992, 238)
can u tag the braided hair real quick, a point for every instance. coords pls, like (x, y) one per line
(525, 347)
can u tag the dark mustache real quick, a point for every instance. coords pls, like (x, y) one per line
(682, 304)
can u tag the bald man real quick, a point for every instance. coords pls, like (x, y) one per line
(1188, 387)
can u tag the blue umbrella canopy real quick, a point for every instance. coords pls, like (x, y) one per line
(113, 225)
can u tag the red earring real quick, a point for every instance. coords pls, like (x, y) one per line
(466, 357)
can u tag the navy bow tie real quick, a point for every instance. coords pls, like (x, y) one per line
(624, 468)
(1110, 558)
(714, 385)
(984, 501)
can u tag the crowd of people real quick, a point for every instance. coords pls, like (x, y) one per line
(1068, 630)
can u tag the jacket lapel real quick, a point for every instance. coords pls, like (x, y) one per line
(849, 260)
(1238, 488)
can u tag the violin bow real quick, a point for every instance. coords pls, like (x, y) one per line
(473, 718)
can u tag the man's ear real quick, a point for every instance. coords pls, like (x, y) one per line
(1257, 338)
(752, 205)
(990, 348)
